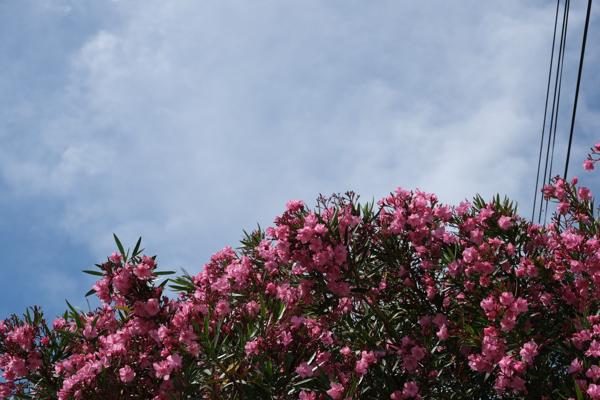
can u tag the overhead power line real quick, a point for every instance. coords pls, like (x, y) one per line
(537, 178)
(555, 102)
(583, 42)
(556, 107)
(548, 136)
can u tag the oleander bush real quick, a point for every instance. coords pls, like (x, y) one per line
(406, 298)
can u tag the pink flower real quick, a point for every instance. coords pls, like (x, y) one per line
(126, 374)
(252, 308)
(469, 255)
(584, 193)
(594, 391)
(122, 282)
(575, 367)
(143, 271)
(593, 373)
(252, 347)
(23, 336)
(89, 332)
(304, 395)
(362, 365)
(5, 390)
(148, 309)
(16, 367)
(588, 165)
(529, 351)
(418, 353)
(304, 370)
(345, 351)
(222, 308)
(463, 208)
(504, 222)
(594, 350)
(102, 289)
(442, 333)
(506, 299)
(162, 370)
(174, 361)
(336, 391)
(519, 306)
(58, 323)
(116, 258)
(508, 322)
(411, 389)
(297, 321)
(490, 307)
(294, 205)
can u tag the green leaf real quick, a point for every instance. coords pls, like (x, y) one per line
(120, 247)
(90, 292)
(182, 283)
(577, 390)
(268, 366)
(136, 249)
(91, 272)
(179, 288)
(124, 308)
(159, 273)
(304, 381)
(28, 316)
(311, 358)
(282, 308)
(163, 283)
(75, 315)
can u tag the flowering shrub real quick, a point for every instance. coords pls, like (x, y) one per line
(404, 299)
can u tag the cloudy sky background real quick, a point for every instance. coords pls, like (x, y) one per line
(186, 122)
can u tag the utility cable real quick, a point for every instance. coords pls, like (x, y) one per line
(585, 31)
(554, 100)
(556, 112)
(537, 178)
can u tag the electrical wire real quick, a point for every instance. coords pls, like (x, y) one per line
(537, 178)
(556, 112)
(585, 31)
(554, 100)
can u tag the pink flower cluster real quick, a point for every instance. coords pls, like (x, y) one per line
(592, 158)
(407, 298)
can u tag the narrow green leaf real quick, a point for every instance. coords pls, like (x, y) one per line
(179, 288)
(304, 381)
(136, 249)
(75, 315)
(95, 273)
(577, 390)
(120, 247)
(311, 358)
(282, 308)
(163, 283)
(159, 273)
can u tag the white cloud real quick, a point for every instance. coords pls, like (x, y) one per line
(188, 121)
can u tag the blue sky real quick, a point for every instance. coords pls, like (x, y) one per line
(186, 122)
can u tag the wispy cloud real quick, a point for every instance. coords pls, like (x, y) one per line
(186, 122)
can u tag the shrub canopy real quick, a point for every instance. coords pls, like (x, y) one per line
(405, 298)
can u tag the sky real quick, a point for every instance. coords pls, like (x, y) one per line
(187, 122)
